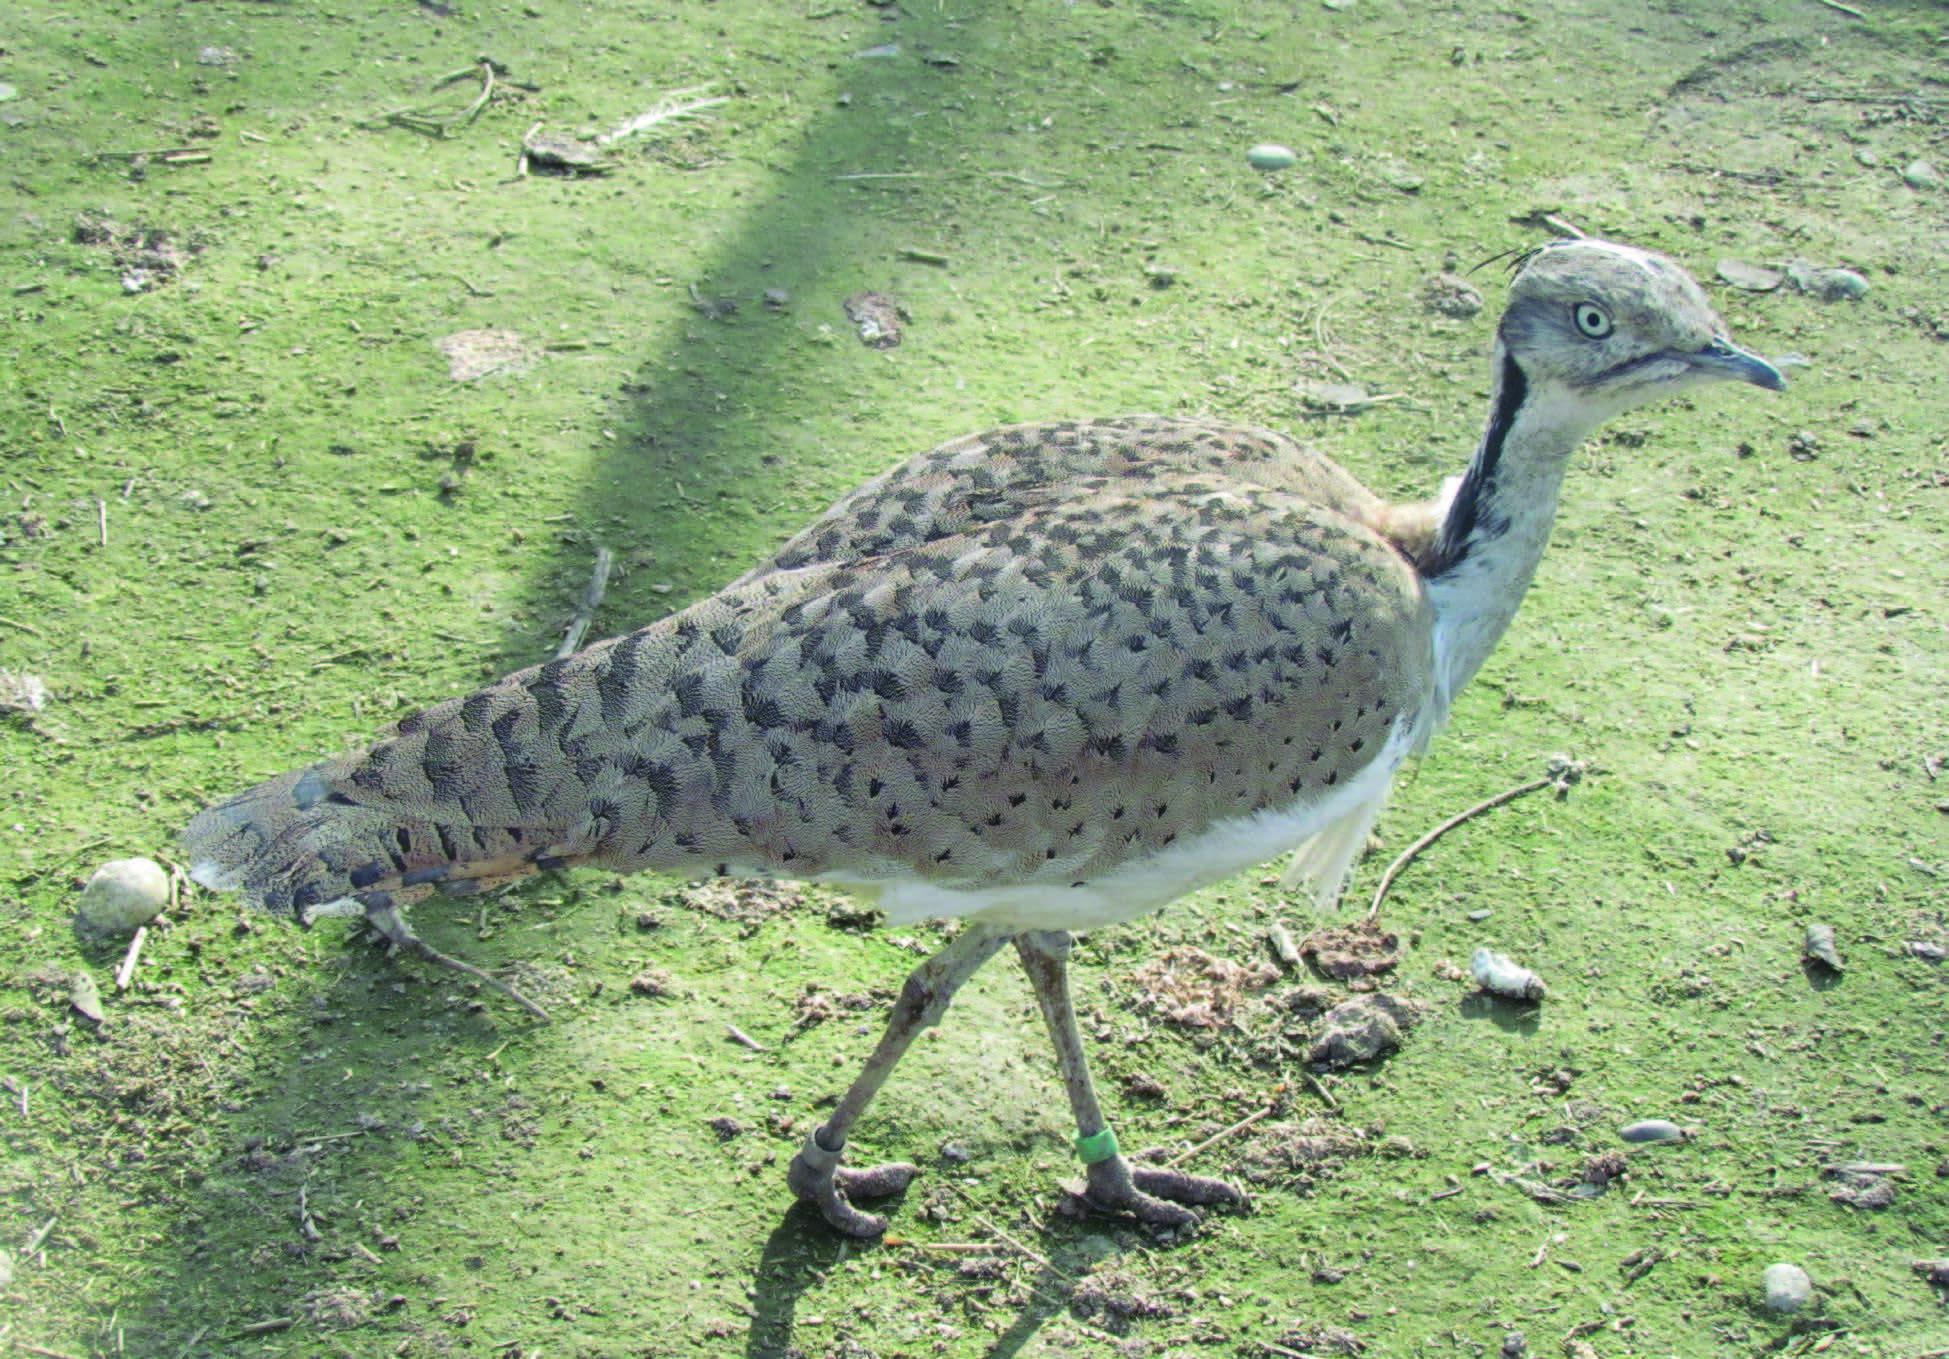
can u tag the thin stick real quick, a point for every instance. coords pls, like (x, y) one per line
(486, 93)
(1326, 1095)
(388, 921)
(1406, 856)
(126, 971)
(40, 1235)
(27, 628)
(746, 1039)
(268, 1325)
(1044, 1261)
(591, 600)
(101, 516)
(28, 1347)
(1221, 1135)
(1845, 9)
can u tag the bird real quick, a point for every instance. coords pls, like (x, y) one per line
(1032, 683)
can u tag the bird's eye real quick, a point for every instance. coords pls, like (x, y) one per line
(1592, 320)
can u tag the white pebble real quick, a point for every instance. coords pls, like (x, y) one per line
(1500, 977)
(123, 894)
(1787, 1288)
(1270, 156)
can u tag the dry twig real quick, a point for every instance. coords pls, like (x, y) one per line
(591, 601)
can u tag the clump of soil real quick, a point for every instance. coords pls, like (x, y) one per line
(1198, 990)
(1361, 1030)
(1355, 954)
(146, 256)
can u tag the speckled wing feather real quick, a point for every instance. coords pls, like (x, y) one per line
(1037, 699)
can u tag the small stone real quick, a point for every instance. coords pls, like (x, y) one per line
(1479, 916)
(7, 92)
(1927, 950)
(1820, 947)
(1920, 174)
(123, 894)
(1867, 155)
(1935, 1271)
(1788, 1288)
(956, 1152)
(86, 997)
(1515, 1345)
(1271, 156)
(1829, 285)
(1752, 278)
(21, 692)
(1652, 1130)
(1361, 1030)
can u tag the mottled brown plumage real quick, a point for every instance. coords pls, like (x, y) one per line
(1026, 658)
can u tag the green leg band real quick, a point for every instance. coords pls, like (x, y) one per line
(1098, 1146)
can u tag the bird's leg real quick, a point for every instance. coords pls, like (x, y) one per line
(1152, 1194)
(816, 1175)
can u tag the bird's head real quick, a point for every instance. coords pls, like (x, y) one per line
(1615, 327)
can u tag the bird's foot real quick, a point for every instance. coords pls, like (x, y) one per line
(817, 1178)
(1158, 1196)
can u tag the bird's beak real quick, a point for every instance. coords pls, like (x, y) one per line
(1724, 359)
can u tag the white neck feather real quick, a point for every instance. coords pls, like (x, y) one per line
(1499, 520)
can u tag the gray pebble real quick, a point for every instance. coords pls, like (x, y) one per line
(1921, 174)
(1820, 947)
(1271, 156)
(1652, 1130)
(1480, 916)
(1788, 1288)
(1753, 278)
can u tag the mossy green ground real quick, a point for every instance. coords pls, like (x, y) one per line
(1748, 645)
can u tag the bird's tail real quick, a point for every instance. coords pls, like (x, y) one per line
(456, 799)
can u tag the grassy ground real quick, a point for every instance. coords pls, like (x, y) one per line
(250, 518)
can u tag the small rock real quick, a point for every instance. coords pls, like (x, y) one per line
(1803, 446)
(1920, 174)
(123, 894)
(726, 1127)
(7, 92)
(1652, 1130)
(1270, 156)
(1829, 285)
(21, 692)
(1752, 278)
(1479, 916)
(1515, 1345)
(1499, 976)
(1927, 950)
(956, 1152)
(777, 299)
(86, 997)
(1935, 1271)
(1820, 947)
(1788, 1288)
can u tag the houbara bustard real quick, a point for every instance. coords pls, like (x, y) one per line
(1041, 680)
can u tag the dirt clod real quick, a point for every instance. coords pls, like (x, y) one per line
(1356, 954)
(1361, 1030)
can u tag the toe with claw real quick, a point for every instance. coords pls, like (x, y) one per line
(1158, 1196)
(817, 1178)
